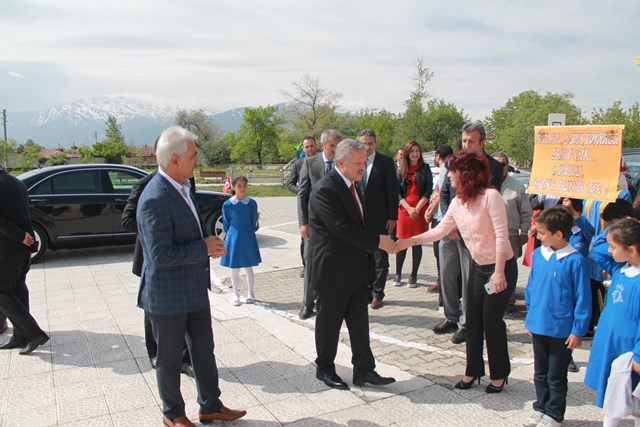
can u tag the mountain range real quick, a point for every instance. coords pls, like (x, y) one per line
(84, 121)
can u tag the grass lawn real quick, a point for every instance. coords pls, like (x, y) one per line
(254, 190)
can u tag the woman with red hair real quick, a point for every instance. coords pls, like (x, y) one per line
(479, 214)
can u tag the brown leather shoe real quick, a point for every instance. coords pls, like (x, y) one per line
(435, 287)
(182, 421)
(224, 414)
(376, 303)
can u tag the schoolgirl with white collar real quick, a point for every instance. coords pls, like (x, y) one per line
(239, 219)
(619, 325)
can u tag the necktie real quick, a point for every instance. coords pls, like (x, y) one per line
(355, 198)
(329, 166)
(365, 176)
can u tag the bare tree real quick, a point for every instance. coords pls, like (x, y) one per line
(313, 107)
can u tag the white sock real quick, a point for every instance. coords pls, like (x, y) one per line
(250, 280)
(235, 278)
(610, 422)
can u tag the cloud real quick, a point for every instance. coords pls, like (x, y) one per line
(16, 75)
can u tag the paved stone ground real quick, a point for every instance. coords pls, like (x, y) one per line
(94, 371)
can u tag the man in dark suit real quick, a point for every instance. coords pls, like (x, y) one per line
(16, 245)
(175, 280)
(339, 266)
(455, 259)
(380, 186)
(313, 168)
(129, 223)
(309, 148)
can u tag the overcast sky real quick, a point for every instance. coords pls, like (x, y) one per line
(234, 53)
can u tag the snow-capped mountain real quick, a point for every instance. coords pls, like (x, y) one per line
(141, 118)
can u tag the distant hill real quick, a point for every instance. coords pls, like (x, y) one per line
(141, 121)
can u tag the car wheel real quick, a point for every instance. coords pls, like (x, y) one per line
(215, 225)
(42, 240)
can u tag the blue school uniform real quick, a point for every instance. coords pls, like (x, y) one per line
(558, 295)
(581, 235)
(239, 218)
(619, 326)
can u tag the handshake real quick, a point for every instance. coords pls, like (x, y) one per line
(389, 246)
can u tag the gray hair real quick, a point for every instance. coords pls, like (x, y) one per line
(348, 146)
(173, 140)
(330, 135)
(473, 126)
(501, 154)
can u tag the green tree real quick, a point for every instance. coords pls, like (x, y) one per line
(59, 158)
(258, 135)
(6, 150)
(443, 123)
(382, 122)
(31, 156)
(513, 124)
(412, 124)
(85, 154)
(313, 107)
(616, 115)
(211, 148)
(113, 148)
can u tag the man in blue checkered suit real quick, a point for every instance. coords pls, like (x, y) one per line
(175, 280)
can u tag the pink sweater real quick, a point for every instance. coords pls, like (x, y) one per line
(482, 224)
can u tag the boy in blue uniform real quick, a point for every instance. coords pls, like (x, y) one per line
(558, 301)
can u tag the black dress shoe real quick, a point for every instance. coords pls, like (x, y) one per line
(305, 313)
(373, 378)
(460, 336)
(32, 345)
(332, 380)
(445, 327)
(11, 344)
(3, 327)
(153, 361)
(187, 369)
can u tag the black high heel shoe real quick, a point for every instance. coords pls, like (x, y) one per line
(493, 389)
(463, 385)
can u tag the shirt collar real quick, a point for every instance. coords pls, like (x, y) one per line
(575, 229)
(325, 160)
(234, 200)
(630, 270)
(560, 253)
(173, 182)
(345, 179)
(371, 158)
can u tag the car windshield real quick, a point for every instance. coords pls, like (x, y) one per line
(633, 163)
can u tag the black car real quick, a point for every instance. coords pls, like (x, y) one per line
(79, 206)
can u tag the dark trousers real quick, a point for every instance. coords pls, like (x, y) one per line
(416, 254)
(484, 318)
(309, 294)
(152, 346)
(170, 332)
(597, 295)
(14, 297)
(334, 307)
(551, 359)
(382, 271)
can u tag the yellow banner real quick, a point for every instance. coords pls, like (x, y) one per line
(577, 161)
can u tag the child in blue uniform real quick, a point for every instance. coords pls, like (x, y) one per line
(619, 325)
(558, 302)
(239, 219)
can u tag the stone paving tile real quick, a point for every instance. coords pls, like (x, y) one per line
(95, 370)
(43, 415)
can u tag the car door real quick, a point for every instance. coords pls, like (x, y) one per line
(119, 183)
(74, 204)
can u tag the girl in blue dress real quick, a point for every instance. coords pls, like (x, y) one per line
(619, 325)
(239, 219)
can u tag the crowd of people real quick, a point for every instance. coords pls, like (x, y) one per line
(356, 206)
(479, 218)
